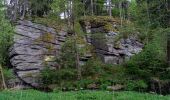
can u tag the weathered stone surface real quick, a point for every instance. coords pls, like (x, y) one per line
(116, 87)
(16, 84)
(33, 45)
(109, 50)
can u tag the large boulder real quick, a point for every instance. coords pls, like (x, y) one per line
(34, 48)
(102, 33)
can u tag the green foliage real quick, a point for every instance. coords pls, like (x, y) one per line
(58, 6)
(93, 67)
(101, 21)
(152, 13)
(67, 56)
(128, 30)
(138, 85)
(115, 12)
(8, 74)
(133, 9)
(51, 20)
(6, 34)
(51, 76)
(79, 95)
(48, 76)
(93, 72)
(39, 7)
(151, 62)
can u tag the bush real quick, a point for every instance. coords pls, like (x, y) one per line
(138, 85)
(48, 76)
(92, 67)
(6, 39)
(93, 72)
(8, 74)
(151, 62)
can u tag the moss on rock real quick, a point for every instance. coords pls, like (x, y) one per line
(106, 22)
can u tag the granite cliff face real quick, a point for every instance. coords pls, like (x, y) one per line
(34, 48)
(102, 33)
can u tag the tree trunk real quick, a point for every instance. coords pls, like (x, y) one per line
(168, 49)
(92, 8)
(69, 13)
(84, 10)
(149, 22)
(15, 10)
(75, 45)
(3, 78)
(120, 14)
(110, 8)
(77, 60)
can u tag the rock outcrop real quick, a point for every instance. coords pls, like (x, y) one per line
(102, 33)
(34, 48)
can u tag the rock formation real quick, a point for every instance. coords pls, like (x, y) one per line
(34, 48)
(102, 33)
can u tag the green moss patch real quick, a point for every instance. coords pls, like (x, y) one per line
(106, 22)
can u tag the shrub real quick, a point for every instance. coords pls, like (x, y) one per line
(151, 62)
(48, 76)
(92, 67)
(6, 34)
(8, 74)
(138, 85)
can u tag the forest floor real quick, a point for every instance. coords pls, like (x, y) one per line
(79, 95)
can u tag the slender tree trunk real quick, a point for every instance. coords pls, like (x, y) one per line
(77, 59)
(149, 22)
(168, 49)
(160, 89)
(64, 14)
(168, 10)
(3, 78)
(168, 36)
(69, 13)
(84, 10)
(15, 10)
(120, 9)
(92, 8)
(110, 8)
(75, 45)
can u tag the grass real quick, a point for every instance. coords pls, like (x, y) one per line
(80, 95)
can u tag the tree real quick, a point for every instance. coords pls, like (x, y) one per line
(6, 36)
(154, 14)
(6, 33)
(19, 8)
(110, 7)
(92, 7)
(155, 10)
(40, 7)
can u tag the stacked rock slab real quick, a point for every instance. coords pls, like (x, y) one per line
(34, 48)
(104, 41)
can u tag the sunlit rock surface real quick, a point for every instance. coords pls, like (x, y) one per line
(34, 48)
(102, 33)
